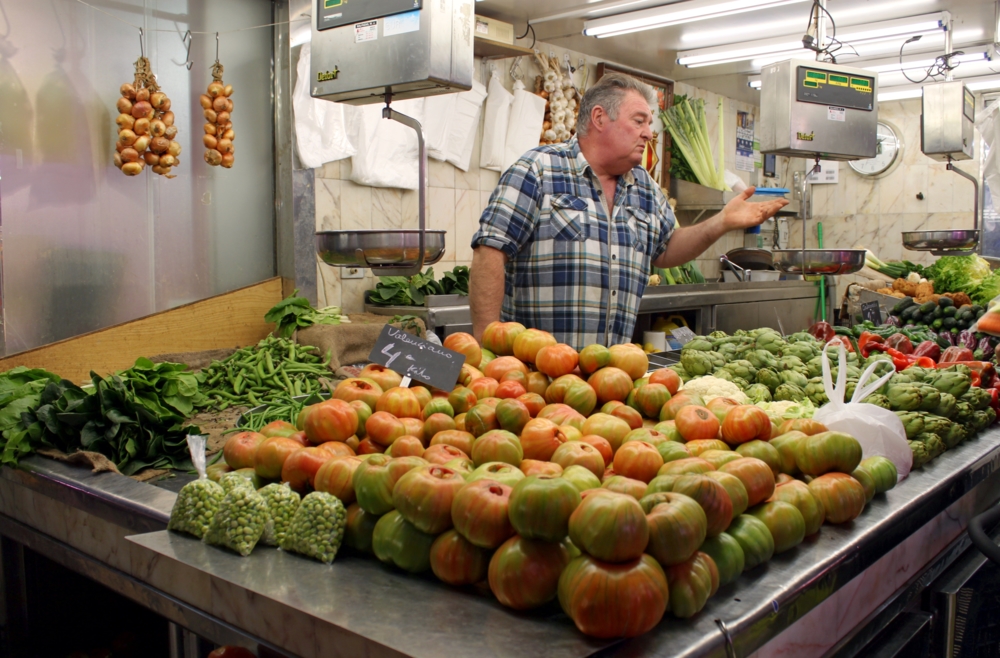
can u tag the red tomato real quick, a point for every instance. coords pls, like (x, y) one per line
(746, 423)
(696, 423)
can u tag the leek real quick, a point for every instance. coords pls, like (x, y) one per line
(689, 130)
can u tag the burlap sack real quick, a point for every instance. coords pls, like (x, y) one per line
(350, 343)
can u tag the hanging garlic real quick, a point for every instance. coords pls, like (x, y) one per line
(559, 116)
(558, 95)
(549, 86)
(550, 76)
(571, 103)
(570, 92)
(559, 127)
(549, 135)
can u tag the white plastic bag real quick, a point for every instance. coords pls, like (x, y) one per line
(387, 150)
(497, 117)
(527, 114)
(321, 127)
(878, 430)
(461, 134)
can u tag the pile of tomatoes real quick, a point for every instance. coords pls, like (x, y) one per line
(551, 473)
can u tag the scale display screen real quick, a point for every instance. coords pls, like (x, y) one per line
(834, 88)
(335, 13)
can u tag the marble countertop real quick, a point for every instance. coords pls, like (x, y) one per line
(359, 606)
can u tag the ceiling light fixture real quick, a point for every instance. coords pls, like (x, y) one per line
(784, 47)
(675, 14)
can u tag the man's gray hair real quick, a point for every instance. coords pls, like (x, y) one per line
(608, 93)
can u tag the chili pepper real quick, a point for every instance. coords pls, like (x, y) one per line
(956, 354)
(900, 342)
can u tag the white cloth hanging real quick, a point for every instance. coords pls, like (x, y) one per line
(321, 128)
(386, 150)
(527, 113)
(497, 116)
(463, 124)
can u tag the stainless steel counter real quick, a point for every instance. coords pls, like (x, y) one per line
(360, 606)
(725, 306)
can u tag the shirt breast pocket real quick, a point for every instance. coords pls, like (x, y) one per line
(640, 230)
(567, 219)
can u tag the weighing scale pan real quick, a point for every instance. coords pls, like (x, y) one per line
(381, 250)
(942, 243)
(819, 261)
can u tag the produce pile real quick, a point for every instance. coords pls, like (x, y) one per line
(675, 276)
(969, 276)
(624, 496)
(412, 291)
(942, 397)
(688, 127)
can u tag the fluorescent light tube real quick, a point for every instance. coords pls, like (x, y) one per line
(875, 32)
(898, 94)
(675, 14)
(983, 83)
(925, 61)
(754, 82)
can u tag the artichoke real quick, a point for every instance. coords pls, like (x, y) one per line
(949, 381)
(718, 334)
(946, 407)
(802, 337)
(742, 383)
(979, 398)
(768, 378)
(722, 373)
(697, 345)
(801, 351)
(730, 351)
(901, 378)
(814, 366)
(878, 400)
(921, 375)
(935, 446)
(740, 332)
(758, 393)
(742, 368)
(793, 377)
(877, 356)
(931, 397)
(954, 435)
(983, 419)
(963, 412)
(936, 424)
(816, 392)
(771, 342)
(849, 388)
(761, 359)
(789, 392)
(920, 454)
(905, 397)
(913, 423)
(681, 372)
(698, 363)
(789, 362)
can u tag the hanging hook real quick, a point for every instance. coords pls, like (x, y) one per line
(186, 39)
(217, 46)
(142, 44)
(515, 69)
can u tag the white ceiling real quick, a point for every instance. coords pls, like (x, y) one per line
(655, 50)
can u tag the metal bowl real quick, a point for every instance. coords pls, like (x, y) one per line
(393, 249)
(751, 259)
(950, 242)
(819, 261)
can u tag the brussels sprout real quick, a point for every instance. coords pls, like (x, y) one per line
(196, 504)
(758, 393)
(281, 505)
(318, 527)
(789, 392)
(240, 521)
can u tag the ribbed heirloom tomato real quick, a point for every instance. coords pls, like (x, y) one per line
(612, 429)
(301, 467)
(405, 446)
(503, 473)
(536, 467)
(677, 527)
(337, 477)
(691, 582)
(638, 460)
(497, 446)
(556, 390)
(479, 513)
(455, 438)
(610, 384)
(353, 389)
(624, 485)
(593, 358)
(746, 423)
(540, 507)
(498, 337)
(400, 402)
(528, 343)
(650, 398)
(271, 455)
(754, 538)
(240, 450)
(579, 453)
(784, 521)
(842, 497)
(696, 423)
(755, 475)
(359, 529)
(398, 542)
(384, 377)
(797, 493)
(708, 493)
(827, 451)
(668, 378)
(383, 428)
(375, 478)
(721, 407)
(424, 497)
(465, 344)
(727, 554)
(456, 561)
(442, 453)
(629, 358)
(686, 466)
(513, 415)
(734, 487)
(524, 573)
(611, 527)
(719, 458)
(580, 397)
(608, 600)
(556, 360)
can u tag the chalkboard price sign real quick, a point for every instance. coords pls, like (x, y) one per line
(870, 312)
(420, 360)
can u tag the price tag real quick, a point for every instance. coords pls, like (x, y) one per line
(870, 312)
(683, 335)
(417, 359)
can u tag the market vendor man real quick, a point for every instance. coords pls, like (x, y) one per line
(545, 254)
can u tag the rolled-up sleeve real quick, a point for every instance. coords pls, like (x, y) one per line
(666, 219)
(509, 219)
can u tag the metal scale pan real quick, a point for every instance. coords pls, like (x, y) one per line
(819, 261)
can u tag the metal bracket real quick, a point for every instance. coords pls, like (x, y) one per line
(186, 39)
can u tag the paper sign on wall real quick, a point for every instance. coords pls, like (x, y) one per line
(829, 173)
(744, 141)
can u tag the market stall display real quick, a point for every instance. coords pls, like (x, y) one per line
(146, 129)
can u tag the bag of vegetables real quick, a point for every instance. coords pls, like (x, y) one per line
(879, 431)
(197, 502)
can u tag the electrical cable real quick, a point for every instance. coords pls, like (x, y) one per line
(529, 28)
(941, 66)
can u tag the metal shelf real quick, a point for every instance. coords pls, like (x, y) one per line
(694, 197)
(492, 50)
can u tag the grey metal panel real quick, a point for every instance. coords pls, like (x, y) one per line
(946, 125)
(804, 129)
(732, 317)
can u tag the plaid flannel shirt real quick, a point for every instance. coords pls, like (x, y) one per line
(567, 272)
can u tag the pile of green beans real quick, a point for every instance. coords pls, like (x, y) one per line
(281, 408)
(271, 371)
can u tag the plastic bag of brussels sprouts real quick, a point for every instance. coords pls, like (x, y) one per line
(240, 522)
(281, 505)
(198, 501)
(317, 527)
(232, 480)
(879, 431)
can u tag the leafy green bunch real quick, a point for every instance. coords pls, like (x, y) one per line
(293, 313)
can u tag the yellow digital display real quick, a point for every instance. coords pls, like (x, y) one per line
(816, 75)
(838, 80)
(330, 4)
(861, 82)
(810, 83)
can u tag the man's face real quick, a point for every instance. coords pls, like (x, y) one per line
(627, 135)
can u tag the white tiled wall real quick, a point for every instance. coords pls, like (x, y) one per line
(455, 200)
(872, 212)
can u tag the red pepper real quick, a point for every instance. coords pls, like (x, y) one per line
(900, 342)
(822, 331)
(921, 361)
(995, 401)
(841, 340)
(899, 360)
(995, 382)
(928, 348)
(867, 337)
(956, 354)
